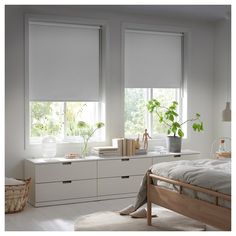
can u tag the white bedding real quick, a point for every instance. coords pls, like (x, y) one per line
(214, 174)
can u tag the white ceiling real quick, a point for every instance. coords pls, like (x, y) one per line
(193, 12)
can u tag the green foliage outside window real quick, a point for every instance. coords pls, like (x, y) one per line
(60, 118)
(136, 113)
(46, 118)
(135, 109)
(73, 115)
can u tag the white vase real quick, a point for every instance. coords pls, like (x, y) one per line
(49, 146)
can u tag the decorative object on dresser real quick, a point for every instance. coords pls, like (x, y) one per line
(120, 147)
(169, 117)
(106, 151)
(145, 139)
(60, 180)
(49, 146)
(86, 131)
(72, 155)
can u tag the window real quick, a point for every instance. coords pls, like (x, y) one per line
(137, 117)
(63, 63)
(61, 118)
(152, 69)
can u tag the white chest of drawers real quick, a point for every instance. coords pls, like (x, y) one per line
(60, 181)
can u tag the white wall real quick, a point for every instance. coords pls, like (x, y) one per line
(222, 69)
(199, 66)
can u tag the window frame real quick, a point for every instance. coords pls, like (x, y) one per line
(103, 38)
(65, 138)
(149, 116)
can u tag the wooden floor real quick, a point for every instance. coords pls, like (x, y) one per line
(62, 217)
(58, 218)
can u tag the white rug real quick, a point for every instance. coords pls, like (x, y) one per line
(112, 221)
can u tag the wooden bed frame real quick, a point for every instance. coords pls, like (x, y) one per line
(208, 213)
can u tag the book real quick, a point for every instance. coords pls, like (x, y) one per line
(105, 153)
(118, 143)
(133, 147)
(129, 147)
(108, 148)
(140, 151)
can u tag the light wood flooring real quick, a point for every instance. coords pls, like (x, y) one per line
(61, 217)
(58, 218)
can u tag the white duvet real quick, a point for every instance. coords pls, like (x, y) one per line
(214, 174)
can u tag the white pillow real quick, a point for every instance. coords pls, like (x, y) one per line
(12, 181)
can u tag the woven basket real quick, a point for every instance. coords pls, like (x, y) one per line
(16, 196)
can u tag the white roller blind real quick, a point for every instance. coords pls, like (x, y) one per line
(152, 59)
(63, 62)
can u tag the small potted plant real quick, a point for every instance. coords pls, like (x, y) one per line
(86, 131)
(170, 118)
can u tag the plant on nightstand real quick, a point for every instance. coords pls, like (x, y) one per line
(86, 131)
(169, 117)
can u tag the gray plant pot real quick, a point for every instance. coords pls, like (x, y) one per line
(174, 144)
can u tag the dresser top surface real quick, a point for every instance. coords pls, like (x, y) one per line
(96, 158)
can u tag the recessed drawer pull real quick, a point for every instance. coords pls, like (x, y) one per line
(177, 155)
(124, 177)
(125, 159)
(67, 182)
(66, 163)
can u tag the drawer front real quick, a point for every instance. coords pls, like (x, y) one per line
(156, 160)
(67, 190)
(175, 158)
(190, 157)
(65, 171)
(119, 185)
(121, 167)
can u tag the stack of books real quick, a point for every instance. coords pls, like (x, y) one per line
(120, 147)
(106, 151)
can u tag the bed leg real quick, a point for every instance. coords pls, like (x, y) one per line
(149, 204)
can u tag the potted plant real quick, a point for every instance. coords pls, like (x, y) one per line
(86, 131)
(169, 117)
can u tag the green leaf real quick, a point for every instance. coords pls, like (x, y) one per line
(198, 115)
(161, 119)
(174, 113)
(180, 133)
(99, 125)
(194, 126)
(174, 129)
(176, 124)
(82, 124)
(201, 125)
(171, 117)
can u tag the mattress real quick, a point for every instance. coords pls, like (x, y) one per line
(213, 174)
